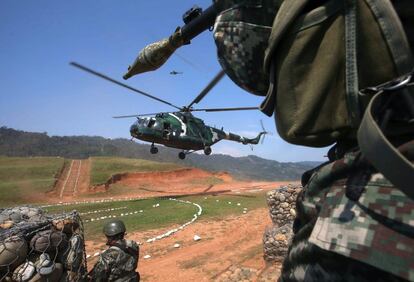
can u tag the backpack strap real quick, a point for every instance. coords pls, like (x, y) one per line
(351, 62)
(381, 153)
(394, 33)
(373, 143)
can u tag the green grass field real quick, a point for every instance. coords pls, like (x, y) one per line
(22, 179)
(167, 214)
(102, 168)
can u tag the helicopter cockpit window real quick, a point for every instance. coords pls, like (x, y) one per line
(151, 123)
(141, 122)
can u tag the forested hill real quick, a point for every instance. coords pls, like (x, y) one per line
(18, 143)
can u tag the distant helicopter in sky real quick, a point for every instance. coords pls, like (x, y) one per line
(176, 72)
(180, 129)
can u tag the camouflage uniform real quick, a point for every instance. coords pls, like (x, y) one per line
(351, 225)
(118, 263)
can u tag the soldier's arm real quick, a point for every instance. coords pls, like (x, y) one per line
(100, 271)
(133, 248)
(136, 247)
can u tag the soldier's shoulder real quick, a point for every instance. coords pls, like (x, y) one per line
(131, 244)
(111, 253)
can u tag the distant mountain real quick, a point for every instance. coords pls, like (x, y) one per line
(310, 163)
(16, 143)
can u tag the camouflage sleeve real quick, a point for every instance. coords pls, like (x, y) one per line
(133, 248)
(101, 270)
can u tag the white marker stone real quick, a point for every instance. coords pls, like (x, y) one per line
(147, 256)
(176, 245)
(197, 238)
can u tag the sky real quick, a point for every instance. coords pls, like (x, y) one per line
(41, 92)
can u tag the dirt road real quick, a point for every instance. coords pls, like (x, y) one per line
(73, 180)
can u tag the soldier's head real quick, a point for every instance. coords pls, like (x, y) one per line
(114, 230)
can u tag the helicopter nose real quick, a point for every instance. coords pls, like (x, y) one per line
(134, 129)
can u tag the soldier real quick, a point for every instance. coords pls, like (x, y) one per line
(312, 60)
(119, 262)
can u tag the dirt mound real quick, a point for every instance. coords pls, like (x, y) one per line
(167, 176)
(162, 183)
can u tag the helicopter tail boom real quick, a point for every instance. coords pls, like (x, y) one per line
(220, 135)
(256, 140)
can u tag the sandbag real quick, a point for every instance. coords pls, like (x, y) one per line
(66, 225)
(24, 272)
(73, 257)
(55, 275)
(13, 252)
(19, 214)
(49, 241)
(6, 224)
(40, 247)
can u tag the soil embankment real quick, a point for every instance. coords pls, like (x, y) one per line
(74, 182)
(177, 182)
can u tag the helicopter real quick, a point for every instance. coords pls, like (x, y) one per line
(175, 72)
(179, 129)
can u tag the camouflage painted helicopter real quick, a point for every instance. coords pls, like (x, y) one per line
(180, 129)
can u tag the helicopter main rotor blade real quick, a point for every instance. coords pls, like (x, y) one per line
(122, 84)
(225, 109)
(139, 115)
(207, 89)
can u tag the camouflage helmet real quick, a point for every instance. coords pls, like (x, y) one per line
(114, 227)
(241, 33)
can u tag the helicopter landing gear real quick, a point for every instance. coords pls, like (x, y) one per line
(181, 155)
(153, 149)
(207, 151)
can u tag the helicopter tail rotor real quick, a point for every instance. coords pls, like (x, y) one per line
(264, 132)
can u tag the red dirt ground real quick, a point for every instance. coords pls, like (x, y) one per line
(235, 241)
(179, 182)
(185, 181)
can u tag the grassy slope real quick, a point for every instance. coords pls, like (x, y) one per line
(103, 168)
(26, 178)
(167, 214)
